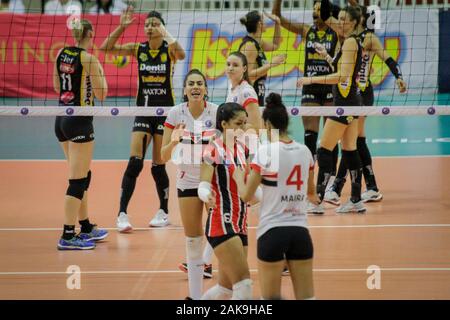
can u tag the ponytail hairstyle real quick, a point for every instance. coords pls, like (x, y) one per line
(194, 71)
(80, 29)
(244, 63)
(226, 112)
(250, 21)
(276, 112)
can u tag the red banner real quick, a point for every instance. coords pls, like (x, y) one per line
(29, 44)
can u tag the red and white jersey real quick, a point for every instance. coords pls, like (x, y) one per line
(244, 94)
(230, 214)
(284, 168)
(197, 134)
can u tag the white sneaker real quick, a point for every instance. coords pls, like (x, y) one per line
(349, 206)
(332, 197)
(315, 209)
(123, 224)
(161, 219)
(371, 196)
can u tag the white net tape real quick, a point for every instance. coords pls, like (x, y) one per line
(36, 111)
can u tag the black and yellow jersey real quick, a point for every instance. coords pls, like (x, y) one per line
(260, 84)
(155, 76)
(315, 65)
(75, 84)
(347, 91)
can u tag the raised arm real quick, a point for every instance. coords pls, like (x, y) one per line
(296, 27)
(110, 44)
(276, 40)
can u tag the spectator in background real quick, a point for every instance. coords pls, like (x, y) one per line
(61, 7)
(108, 7)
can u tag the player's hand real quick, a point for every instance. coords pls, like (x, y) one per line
(320, 49)
(301, 82)
(278, 59)
(177, 133)
(211, 204)
(127, 17)
(239, 174)
(401, 84)
(272, 17)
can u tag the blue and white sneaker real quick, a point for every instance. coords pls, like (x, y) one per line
(95, 235)
(76, 243)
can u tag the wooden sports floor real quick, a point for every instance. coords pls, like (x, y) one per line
(407, 236)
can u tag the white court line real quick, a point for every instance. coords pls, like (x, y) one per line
(44, 273)
(148, 160)
(311, 227)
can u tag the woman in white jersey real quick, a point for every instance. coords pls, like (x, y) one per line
(240, 91)
(285, 169)
(188, 126)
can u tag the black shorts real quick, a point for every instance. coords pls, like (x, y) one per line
(215, 241)
(151, 125)
(354, 101)
(187, 193)
(318, 95)
(77, 129)
(290, 243)
(367, 96)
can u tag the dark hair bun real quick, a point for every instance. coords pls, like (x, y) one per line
(273, 100)
(243, 20)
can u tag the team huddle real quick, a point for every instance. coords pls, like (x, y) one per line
(216, 169)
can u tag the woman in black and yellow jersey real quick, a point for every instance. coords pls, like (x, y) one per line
(156, 59)
(371, 47)
(347, 63)
(78, 77)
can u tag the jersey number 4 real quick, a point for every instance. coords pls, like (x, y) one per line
(295, 178)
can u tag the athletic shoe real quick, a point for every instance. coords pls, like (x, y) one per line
(315, 209)
(76, 243)
(161, 219)
(285, 272)
(332, 197)
(371, 196)
(123, 224)
(207, 271)
(95, 235)
(357, 207)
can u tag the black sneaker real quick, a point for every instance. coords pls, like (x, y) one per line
(207, 271)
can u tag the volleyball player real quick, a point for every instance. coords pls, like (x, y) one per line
(240, 91)
(254, 48)
(285, 169)
(156, 59)
(226, 227)
(347, 63)
(189, 125)
(371, 47)
(78, 77)
(315, 65)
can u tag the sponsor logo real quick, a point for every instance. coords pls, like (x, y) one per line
(67, 97)
(88, 98)
(78, 138)
(159, 79)
(155, 91)
(160, 68)
(142, 125)
(164, 57)
(143, 57)
(67, 51)
(66, 68)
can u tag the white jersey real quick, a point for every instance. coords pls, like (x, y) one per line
(188, 153)
(284, 168)
(244, 94)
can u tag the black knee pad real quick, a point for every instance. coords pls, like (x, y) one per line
(325, 159)
(88, 180)
(76, 188)
(134, 167)
(160, 175)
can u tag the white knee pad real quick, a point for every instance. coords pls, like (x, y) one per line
(243, 290)
(194, 248)
(218, 293)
